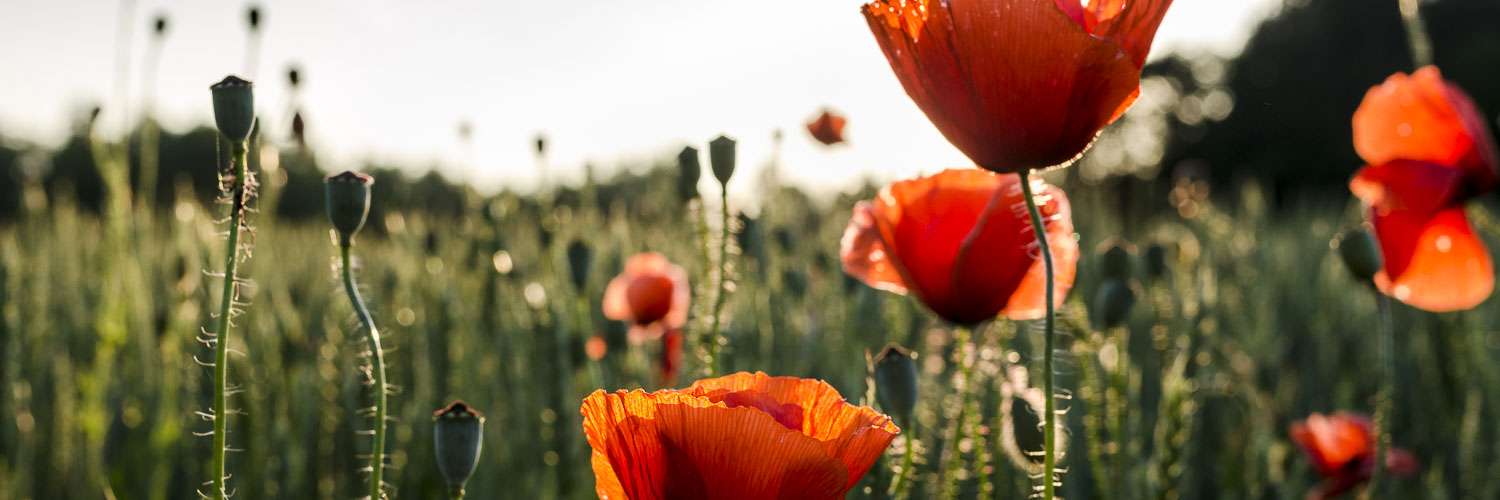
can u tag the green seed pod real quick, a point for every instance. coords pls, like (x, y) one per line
(1021, 435)
(457, 437)
(1361, 253)
(1156, 261)
(689, 171)
(580, 262)
(252, 17)
(159, 25)
(294, 76)
(1117, 260)
(896, 382)
(721, 157)
(541, 145)
(348, 200)
(1112, 302)
(234, 108)
(749, 237)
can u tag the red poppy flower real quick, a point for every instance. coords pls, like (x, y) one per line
(1341, 448)
(827, 128)
(1018, 84)
(1428, 151)
(962, 241)
(652, 294)
(742, 436)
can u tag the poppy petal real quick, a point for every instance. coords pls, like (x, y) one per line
(1433, 262)
(1000, 260)
(616, 304)
(1131, 24)
(1423, 118)
(864, 254)
(1412, 186)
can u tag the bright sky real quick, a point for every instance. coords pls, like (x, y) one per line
(608, 81)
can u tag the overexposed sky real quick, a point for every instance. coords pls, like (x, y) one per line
(607, 81)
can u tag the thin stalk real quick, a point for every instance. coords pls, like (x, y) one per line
(377, 359)
(1384, 399)
(226, 307)
(952, 456)
(1049, 421)
(903, 479)
(1416, 33)
(721, 292)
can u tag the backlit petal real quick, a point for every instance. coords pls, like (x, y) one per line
(1423, 118)
(1433, 262)
(864, 254)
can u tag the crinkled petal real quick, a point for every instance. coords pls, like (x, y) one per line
(864, 254)
(1423, 118)
(1433, 261)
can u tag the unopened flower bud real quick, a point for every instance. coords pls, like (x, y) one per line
(1155, 258)
(541, 145)
(457, 436)
(1112, 303)
(252, 16)
(348, 200)
(159, 25)
(234, 108)
(896, 382)
(294, 76)
(580, 262)
(1117, 261)
(689, 171)
(1361, 253)
(721, 157)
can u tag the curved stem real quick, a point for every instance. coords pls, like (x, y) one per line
(226, 308)
(377, 360)
(1049, 420)
(712, 347)
(1416, 33)
(1384, 399)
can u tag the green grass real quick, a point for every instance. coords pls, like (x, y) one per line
(1256, 325)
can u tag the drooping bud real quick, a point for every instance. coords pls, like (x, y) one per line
(1112, 303)
(234, 107)
(541, 145)
(1361, 253)
(457, 437)
(689, 171)
(721, 157)
(294, 76)
(159, 25)
(1155, 258)
(580, 262)
(1117, 260)
(896, 382)
(252, 17)
(348, 200)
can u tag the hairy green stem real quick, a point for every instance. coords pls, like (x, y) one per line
(226, 308)
(377, 361)
(1416, 33)
(721, 290)
(1384, 398)
(1049, 420)
(952, 456)
(902, 481)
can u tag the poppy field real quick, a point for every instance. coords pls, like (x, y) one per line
(262, 328)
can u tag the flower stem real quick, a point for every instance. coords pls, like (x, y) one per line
(965, 357)
(1385, 397)
(1049, 420)
(712, 342)
(903, 479)
(1416, 33)
(226, 308)
(377, 359)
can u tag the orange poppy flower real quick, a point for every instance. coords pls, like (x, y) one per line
(652, 295)
(962, 241)
(741, 436)
(1018, 84)
(1428, 151)
(827, 128)
(1341, 448)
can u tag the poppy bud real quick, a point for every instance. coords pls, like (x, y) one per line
(1156, 261)
(1116, 261)
(896, 382)
(750, 238)
(541, 144)
(580, 261)
(294, 76)
(234, 107)
(721, 158)
(457, 436)
(348, 200)
(252, 16)
(1112, 303)
(160, 25)
(1361, 253)
(689, 171)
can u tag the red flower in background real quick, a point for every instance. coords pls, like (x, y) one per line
(1428, 151)
(962, 241)
(742, 436)
(652, 295)
(1018, 84)
(827, 128)
(1342, 449)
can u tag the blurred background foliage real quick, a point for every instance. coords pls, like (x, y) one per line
(1230, 173)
